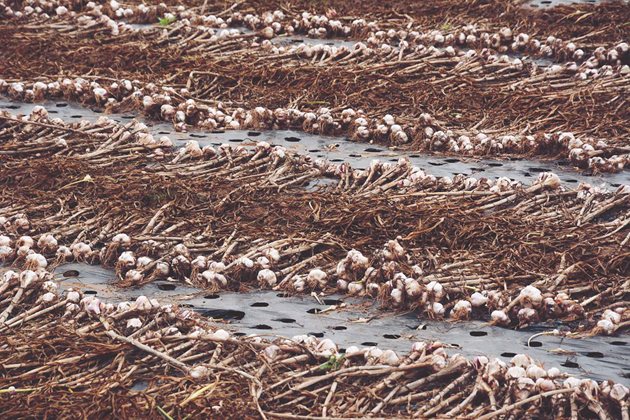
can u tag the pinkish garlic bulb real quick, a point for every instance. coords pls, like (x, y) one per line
(47, 242)
(545, 385)
(480, 362)
(499, 317)
(25, 241)
(326, 347)
(437, 309)
(372, 354)
(272, 254)
(389, 357)
(606, 326)
(121, 239)
(523, 389)
(516, 372)
(245, 262)
(413, 288)
(438, 361)
(80, 250)
(266, 278)
(133, 276)
(461, 310)
(342, 285)
(143, 303)
(63, 252)
(263, 262)
(5, 240)
(353, 351)
(48, 297)
(271, 352)
(435, 289)
(619, 392)
(92, 305)
(127, 259)
(478, 300)
(220, 335)
(571, 382)
(143, 262)
(198, 372)
(397, 296)
(317, 277)
(6, 252)
(357, 260)
(35, 261)
(27, 277)
(549, 180)
(527, 315)
(535, 372)
(521, 360)
(355, 288)
(134, 323)
(213, 278)
(299, 284)
(531, 295)
(612, 316)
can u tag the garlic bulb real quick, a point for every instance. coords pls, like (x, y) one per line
(396, 295)
(35, 261)
(478, 300)
(353, 351)
(534, 372)
(521, 360)
(127, 259)
(220, 335)
(436, 289)
(545, 385)
(134, 323)
(531, 295)
(317, 277)
(267, 278)
(272, 254)
(389, 357)
(326, 347)
(271, 352)
(612, 316)
(5, 240)
(198, 372)
(461, 310)
(355, 288)
(121, 239)
(499, 317)
(437, 309)
(607, 326)
(516, 372)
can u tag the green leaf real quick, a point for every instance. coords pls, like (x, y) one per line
(165, 21)
(333, 363)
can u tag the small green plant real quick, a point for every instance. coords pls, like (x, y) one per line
(333, 363)
(446, 27)
(166, 20)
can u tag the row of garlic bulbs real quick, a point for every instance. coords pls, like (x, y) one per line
(413, 178)
(591, 68)
(425, 133)
(522, 375)
(274, 23)
(502, 41)
(354, 274)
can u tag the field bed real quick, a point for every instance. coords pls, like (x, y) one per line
(258, 209)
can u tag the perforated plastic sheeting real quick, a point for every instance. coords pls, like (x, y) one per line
(361, 324)
(339, 149)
